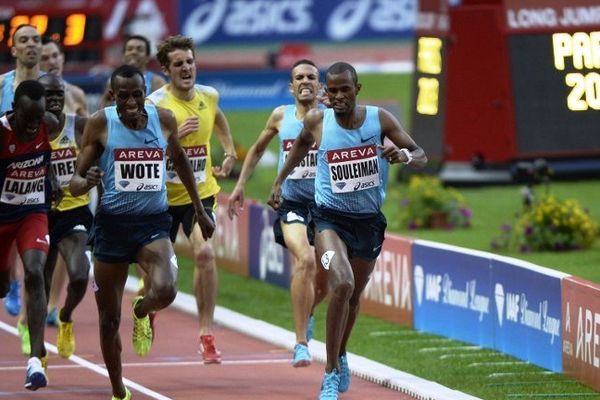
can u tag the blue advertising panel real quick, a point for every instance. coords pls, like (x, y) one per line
(268, 260)
(272, 21)
(249, 90)
(451, 294)
(527, 312)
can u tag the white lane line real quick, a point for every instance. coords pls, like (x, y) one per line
(92, 367)
(496, 363)
(448, 348)
(518, 373)
(470, 355)
(162, 364)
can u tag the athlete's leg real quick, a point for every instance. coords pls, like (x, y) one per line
(72, 248)
(362, 270)
(333, 256)
(303, 276)
(157, 260)
(320, 284)
(57, 283)
(33, 263)
(205, 279)
(110, 283)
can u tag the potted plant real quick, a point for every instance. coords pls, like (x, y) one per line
(429, 204)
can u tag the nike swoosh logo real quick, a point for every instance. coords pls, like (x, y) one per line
(367, 139)
(37, 146)
(150, 141)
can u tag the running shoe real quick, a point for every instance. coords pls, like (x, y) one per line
(142, 332)
(24, 335)
(344, 373)
(35, 377)
(65, 339)
(127, 396)
(310, 327)
(12, 301)
(210, 354)
(330, 385)
(44, 361)
(52, 318)
(302, 356)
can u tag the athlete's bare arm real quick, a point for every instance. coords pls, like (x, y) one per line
(157, 82)
(224, 135)
(78, 98)
(271, 129)
(182, 166)
(79, 127)
(87, 174)
(310, 133)
(391, 128)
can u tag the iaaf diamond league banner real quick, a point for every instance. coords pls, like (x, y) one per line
(269, 261)
(527, 311)
(274, 21)
(451, 293)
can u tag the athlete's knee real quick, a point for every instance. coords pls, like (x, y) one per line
(306, 264)
(34, 278)
(204, 255)
(109, 322)
(343, 288)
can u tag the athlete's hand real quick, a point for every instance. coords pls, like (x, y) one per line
(275, 196)
(188, 126)
(235, 202)
(207, 226)
(57, 193)
(392, 154)
(93, 176)
(224, 170)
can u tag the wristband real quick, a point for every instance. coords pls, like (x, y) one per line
(408, 155)
(230, 155)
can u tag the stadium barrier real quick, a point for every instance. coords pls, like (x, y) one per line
(543, 316)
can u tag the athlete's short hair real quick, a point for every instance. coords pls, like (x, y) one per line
(30, 88)
(47, 39)
(125, 71)
(137, 37)
(170, 44)
(341, 67)
(303, 61)
(18, 28)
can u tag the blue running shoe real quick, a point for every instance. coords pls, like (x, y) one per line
(302, 357)
(52, 318)
(12, 302)
(329, 387)
(344, 374)
(36, 377)
(310, 327)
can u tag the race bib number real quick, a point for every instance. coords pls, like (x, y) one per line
(353, 169)
(197, 157)
(63, 164)
(139, 170)
(24, 186)
(307, 168)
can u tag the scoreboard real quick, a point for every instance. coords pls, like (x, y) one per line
(80, 33)
(519, 79)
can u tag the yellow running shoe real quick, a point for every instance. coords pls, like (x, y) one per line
(127, 396)
(24, 334)
(142, 332)
(65, 339)
(44, 361)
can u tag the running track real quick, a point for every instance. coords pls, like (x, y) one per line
(251, 369)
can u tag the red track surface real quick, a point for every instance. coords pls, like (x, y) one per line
(251, 369)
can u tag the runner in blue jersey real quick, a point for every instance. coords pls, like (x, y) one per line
(355, 144)
(130, 141)
(298, 189)
(136, 52)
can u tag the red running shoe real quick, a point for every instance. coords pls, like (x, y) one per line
(209, 352)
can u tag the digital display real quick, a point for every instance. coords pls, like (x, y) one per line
(78, 33)
(429, 63)
(556, 89)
